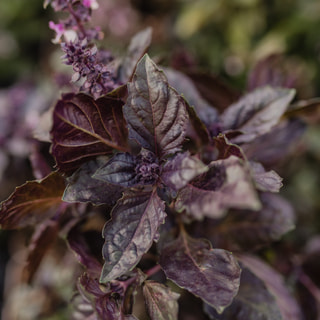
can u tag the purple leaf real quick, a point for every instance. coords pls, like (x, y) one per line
(81, 187)
(227, 149)
(84, 128)
(161, 302)
(119, 170)
(275, 284)
(181, 169)
(156, 115)
(267, 181)
(211, 274)
(273, 147)
(226, 185)
(253, 302)
(83, 252)
(184, 85)
(131, 231)
(33, 202)
(250, 230)
(138, 47)
(257, 112)
(98, 300)
(42, 239)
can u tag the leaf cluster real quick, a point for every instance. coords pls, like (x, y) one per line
(181, 186)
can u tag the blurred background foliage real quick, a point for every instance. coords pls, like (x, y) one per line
(226, 38)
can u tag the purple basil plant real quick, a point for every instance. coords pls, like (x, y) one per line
(182, 192)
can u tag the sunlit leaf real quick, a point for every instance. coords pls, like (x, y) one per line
(227, 184)
(84, 128)
(131, 232)
(211, 274)
(267, 181)
(155, 113)
(181, 169)
(257, 112)
(33, 202)
(161, 302)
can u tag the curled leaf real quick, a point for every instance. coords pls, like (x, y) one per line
(181, 169)
(227, 184)
(33, 202)
(257, 112)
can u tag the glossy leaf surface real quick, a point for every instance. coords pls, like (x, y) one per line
(211, 274)
(161, 301)
(119, 170)
(33, 202)
(155, 113)
(226, 185)
(131, 232)
(181, 169)
(257, 112)
(81, 187)
(84, 128)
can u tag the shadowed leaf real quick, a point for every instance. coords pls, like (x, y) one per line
(275, 284)
(131, 232)
(251, 230)
(138, 47)
(41, 241)
(84, 128)
(33, 202)
(161, 302)
(155, 113)
(257, 112)
(211, 274)
(253, 301)
(227, 184)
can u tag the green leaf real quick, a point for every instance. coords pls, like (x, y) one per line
(156, 114)
(130, 232)
(211, 274)
(33, 202)
(161, 302)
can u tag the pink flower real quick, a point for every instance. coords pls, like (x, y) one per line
(59, 30)
(93, 4)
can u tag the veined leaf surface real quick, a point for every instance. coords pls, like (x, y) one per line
(156, 114)
(130, 232)
(84, 128)
(211, 274)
